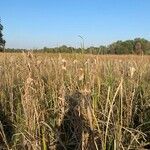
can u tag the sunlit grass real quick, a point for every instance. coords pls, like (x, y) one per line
(114, 98)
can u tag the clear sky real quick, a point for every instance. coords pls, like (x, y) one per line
(39, 23)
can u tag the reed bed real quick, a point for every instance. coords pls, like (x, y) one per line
(74, 102)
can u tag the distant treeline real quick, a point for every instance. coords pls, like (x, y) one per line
(136, 46)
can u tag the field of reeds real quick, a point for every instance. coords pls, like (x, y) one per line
(74, 102)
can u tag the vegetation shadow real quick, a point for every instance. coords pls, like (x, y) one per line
(75, 133)
(6, 129)
(70, 130)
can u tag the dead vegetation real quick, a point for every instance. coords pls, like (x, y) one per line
(79, 102)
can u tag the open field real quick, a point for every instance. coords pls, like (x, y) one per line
(74, 101)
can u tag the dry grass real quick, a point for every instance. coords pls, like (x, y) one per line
(75, 101)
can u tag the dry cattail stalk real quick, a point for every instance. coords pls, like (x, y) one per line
(61, 104)
(64, 64)
(38, 63)
(81, 74)
(87, 89)
(132, 71)
(29, 105)
(30, 55)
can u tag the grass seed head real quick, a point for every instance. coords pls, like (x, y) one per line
(81, 74)
(64, 64)
(132, 71)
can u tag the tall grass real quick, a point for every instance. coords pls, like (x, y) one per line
(109, 96)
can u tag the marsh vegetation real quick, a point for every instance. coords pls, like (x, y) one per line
(74, 101)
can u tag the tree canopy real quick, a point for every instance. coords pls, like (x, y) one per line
(136, 46)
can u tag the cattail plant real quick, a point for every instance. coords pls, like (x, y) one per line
(74, 101)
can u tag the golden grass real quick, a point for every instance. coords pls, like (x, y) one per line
(113, 106)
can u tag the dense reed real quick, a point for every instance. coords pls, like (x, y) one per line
(75, 101)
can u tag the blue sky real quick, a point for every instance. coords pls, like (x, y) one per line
(39, 23)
